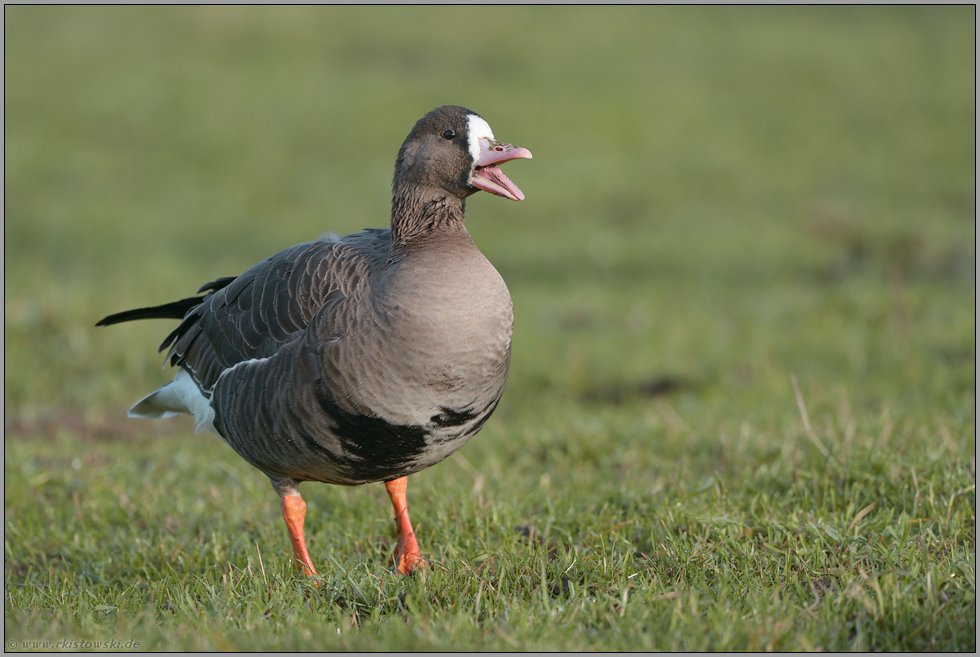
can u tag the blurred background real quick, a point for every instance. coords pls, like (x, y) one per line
(719, 197)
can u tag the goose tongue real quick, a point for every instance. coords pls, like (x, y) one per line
(488, 177)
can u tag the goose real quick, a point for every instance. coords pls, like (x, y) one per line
(356, 359)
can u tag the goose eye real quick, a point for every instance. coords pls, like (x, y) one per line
(448, 135)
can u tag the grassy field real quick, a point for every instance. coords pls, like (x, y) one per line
(741, 411)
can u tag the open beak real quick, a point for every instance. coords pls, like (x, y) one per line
(488, 177)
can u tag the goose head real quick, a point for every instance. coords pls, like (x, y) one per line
(453, 150)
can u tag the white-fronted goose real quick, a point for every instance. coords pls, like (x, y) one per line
(362, 358)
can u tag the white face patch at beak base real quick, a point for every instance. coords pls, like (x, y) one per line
(477, 129)
(488, 154)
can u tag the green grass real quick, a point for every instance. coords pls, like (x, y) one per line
(723, 200)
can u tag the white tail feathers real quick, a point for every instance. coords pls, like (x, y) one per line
(179, 396)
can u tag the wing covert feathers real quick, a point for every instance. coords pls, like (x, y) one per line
(253, 315)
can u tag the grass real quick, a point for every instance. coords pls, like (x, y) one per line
(741, 411)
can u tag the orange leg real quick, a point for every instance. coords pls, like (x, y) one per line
(294, 513)
(407, 554)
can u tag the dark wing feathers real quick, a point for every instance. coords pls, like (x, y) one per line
(173, 310)
(217, 284)
(253, 315)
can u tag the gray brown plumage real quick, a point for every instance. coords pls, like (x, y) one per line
(363, 358)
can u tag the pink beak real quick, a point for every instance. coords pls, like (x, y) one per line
(488, 177)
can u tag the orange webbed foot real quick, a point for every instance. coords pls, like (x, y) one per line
(408, 557)
(294, 513)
